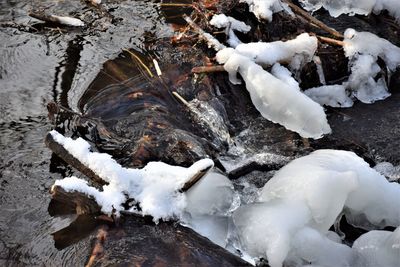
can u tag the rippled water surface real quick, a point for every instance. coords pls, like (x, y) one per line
(40, 63)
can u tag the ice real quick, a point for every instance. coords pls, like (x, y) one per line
(296, 52)
(210, 120)
(301, 202)
(231, 25)
(378, 249)
(392, 173)
(213, 194)
(209, 204)
(69, 21)
(273, 98)
(265, 229)
(367, 80)
(362, 83)
(264, 9)
(284, 75)
(312, 247)
(330, 95)
(352, 7)
(213, 227)
(155, 187)
(369, 44)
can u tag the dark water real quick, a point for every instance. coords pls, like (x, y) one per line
(38, 64)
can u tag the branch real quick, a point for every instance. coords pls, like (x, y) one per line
(313, 20)
(192, 181)
(60, 151)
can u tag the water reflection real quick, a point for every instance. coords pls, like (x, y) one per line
(35, 68)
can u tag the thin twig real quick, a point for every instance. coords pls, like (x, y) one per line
(313, 20)
(181, 99)
(330, 41)
(60, 151)
(212, 41)
(139, 61)
(192, 181)
(208, 69)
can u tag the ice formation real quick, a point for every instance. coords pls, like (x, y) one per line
(209, 203)
(264, 9)
(275, 99)
(351, 7)
(295, 52)
(392, 173)
(155, 187)
(366, 82)
(302, 201)
(330, 95)
(69, 21)
(378, 249)
(231, 25)
(363, 50)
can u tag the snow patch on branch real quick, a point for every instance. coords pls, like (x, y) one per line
(155, 187)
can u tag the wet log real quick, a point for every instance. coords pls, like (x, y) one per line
(60, 151)
(143, 242)
(80, 202)
(167, 244)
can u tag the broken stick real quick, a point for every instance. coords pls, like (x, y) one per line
(60, 151)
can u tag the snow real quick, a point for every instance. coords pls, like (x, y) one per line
(299, 204)
(69, 21)
(289, 222)
(273, 98)
(361, 7)
(231, 25)
(155, 187)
